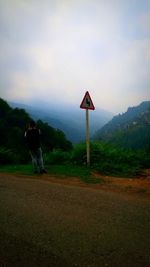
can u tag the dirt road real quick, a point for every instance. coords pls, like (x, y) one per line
(44, 222)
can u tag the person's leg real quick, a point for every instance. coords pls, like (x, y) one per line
(40, 160)
(34, 161)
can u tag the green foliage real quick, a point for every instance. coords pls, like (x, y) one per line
(69, 170)
(12, 126)
(104, 157)
(62, 171)
(4, 108)
(13, 123)
(79, 154)
(6, 156)
(116, 160)
(53, 138)
(112, 160)
(130, 130)
(57, 156)
(25, 169)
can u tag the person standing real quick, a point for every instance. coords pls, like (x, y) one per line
(32, 137)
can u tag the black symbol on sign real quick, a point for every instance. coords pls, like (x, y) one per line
(87, 102)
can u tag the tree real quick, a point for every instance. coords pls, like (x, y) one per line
(13, 123)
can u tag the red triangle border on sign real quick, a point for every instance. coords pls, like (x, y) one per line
(91, 102)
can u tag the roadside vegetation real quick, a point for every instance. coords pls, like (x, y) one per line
(105, 159)
(60, 156)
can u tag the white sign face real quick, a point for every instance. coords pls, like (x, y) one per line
(87, 102)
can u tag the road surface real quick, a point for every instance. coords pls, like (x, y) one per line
(47, 223)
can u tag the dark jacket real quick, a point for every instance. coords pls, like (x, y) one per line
(32, 137)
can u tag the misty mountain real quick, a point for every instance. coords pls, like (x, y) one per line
(69, 119)
(130, 129)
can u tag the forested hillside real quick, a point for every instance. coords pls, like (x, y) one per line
(129, 130)
(13, 123)
(69, 119)
(104, 157)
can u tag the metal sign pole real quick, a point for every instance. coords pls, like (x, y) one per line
(87, 138)
(87, 104)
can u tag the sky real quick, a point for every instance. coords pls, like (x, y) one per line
(55, 50)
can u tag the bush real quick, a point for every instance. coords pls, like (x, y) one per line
(109, 159)
(57, 156)
(121, 161)
(79, 154)
(7, 156)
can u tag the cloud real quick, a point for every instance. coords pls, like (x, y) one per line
(59, 49)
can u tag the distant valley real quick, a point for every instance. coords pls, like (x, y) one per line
(129, 130)
(69, 119)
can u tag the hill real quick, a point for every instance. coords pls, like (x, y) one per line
(13, 123)
(130, 129)
(69, 119)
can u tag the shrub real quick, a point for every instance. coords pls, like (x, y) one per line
(79, 154)
(109, 159)
(57, 156)
(7, 156)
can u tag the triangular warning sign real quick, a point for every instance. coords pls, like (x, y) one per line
(87, 102)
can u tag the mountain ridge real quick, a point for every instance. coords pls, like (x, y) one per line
(69, 119)
(130, 129)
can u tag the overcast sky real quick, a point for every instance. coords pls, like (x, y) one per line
(56, 50)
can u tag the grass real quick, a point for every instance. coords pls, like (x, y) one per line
(84, 173)
(19, 169)
(63, 171)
